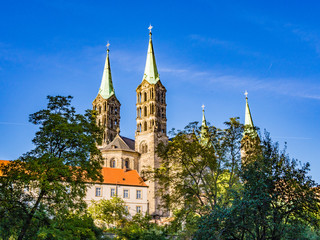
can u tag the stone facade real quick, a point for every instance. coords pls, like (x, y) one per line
(139, 154)
(108, 116)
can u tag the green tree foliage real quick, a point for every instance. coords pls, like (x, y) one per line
(278, 200)
(52, 177)
(111, 212)
(70, 226)
(141, 228)
(197, 175)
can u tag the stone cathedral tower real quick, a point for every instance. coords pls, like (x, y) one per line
(107, 105)
(250, 140)
(151, 121)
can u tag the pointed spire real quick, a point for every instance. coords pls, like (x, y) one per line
(151, 72)
(204, 122)
(204, 138)
(249, 128)
(248, 118)
(106, 89)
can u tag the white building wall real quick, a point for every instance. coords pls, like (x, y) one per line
(132, 202)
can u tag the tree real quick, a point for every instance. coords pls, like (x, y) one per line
(111, 212)
(277, 196)
(70, 226)
(54, 175)
(141, 228)
(196, 175)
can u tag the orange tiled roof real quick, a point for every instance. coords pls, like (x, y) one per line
(114, 176)
(121, 177)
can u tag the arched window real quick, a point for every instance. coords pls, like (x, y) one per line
(139, 127)
(126, 163)
(111, 124)
(99, 122)
(143, 147)
(99, 109)
(139, 98)
(139, 113)
(116, 110)
(152, 95)
(111, 110)
(145, 126)
(145, 111)
(145, 96)
(105, 106)
(104, 121)
(151, 108)
(113, 163)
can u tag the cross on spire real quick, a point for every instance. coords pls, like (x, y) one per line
(150, 27)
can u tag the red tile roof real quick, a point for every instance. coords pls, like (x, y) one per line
(114, 176)
(122, 177)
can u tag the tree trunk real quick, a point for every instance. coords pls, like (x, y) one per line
(29, 217)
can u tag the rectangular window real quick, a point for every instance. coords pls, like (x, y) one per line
(138, 208)
(125, 193)
(98, 191)
(139, 194)
(113, 192)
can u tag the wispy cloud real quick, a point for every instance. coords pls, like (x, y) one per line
(282, 86)
(311, 37)
(229, 45)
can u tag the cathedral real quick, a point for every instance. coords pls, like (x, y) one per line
(134, 154)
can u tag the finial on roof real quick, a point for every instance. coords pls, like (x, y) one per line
(108, 44)
(118, 130)
(203, 107)
(150, 28)
(246, 94)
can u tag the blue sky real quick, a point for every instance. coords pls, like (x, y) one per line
(207, 52)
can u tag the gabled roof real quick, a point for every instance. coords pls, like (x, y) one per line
(121, 143)
(130, 142)
(119, 176)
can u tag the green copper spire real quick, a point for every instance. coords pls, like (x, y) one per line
(106, 89)
(151, 72)
(204, 137)
(248, 119)
(248, 123)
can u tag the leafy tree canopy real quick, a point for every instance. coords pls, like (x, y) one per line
(277, 197)
(53, 175)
